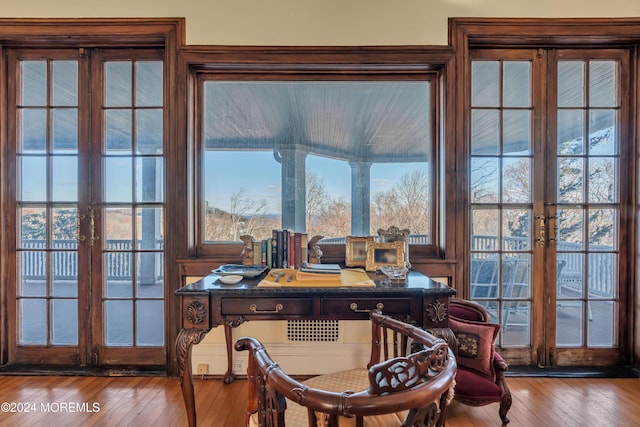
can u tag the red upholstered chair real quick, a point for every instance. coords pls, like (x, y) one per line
(480, 378)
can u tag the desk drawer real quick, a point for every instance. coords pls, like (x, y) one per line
(391, 306)
(266, 306)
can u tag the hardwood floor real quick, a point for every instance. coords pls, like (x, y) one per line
(156, 401)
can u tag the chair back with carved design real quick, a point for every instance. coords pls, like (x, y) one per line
(408, 381)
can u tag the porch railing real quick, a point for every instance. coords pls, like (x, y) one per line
(413, 239)
(119, 266)
(600, 278)
(64, 260)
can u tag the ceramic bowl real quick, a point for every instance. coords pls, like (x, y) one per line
(231, 279)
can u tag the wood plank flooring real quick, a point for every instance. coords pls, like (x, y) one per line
(157, 401)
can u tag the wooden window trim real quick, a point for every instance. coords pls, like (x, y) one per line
(315, 63)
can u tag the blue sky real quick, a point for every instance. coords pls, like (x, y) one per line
(258, 173)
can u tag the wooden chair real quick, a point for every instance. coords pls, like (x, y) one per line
(480, 378)
(408, 381)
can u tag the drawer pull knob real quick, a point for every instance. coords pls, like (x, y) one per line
(354, 307)
(254, 308)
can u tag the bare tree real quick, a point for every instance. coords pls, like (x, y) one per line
(406, 205)
(317, 201)
(335, 219)
(245, 216)
(484, 178)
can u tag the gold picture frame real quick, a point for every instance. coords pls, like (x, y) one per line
(395, 234)
(381, 254)
(356, 251)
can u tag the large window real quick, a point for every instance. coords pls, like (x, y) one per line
(333, 158)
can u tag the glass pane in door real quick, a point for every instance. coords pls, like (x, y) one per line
(47, 199)
(133, 204)
(501, 195)
(588, 158)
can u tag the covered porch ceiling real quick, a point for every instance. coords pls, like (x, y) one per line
(369, 121)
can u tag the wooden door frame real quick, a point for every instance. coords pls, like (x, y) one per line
(166, 33)
(468, 33)
(69, 355)
(563, 355)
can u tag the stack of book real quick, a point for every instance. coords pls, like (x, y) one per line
(285, 249)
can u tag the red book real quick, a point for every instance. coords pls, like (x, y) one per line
(297, 245)
(292, 249)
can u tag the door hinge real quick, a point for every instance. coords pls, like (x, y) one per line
(541, 222)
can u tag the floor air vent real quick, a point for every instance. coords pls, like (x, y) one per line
(312, 330)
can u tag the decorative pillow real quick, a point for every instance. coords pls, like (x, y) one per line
(475, 344)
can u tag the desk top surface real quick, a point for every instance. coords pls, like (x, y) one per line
(416, 283)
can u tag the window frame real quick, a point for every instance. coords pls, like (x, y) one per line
(409, 63)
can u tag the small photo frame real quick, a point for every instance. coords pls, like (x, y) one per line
(381, 254)
(393, 234)
(356, 251)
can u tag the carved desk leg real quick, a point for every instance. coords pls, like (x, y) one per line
(186, 339)
(229, 376)
(195, 325)
(229, 323)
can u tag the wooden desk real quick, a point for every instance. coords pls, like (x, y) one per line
(207, 304)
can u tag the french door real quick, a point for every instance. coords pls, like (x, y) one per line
(86, 132)
(549, 146)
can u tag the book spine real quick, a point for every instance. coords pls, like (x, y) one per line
(285, 248)
(257, 253)
(278, 262)
(304, 245)
(274, 249)
(263, 252)
(297, 247)
(292, 249)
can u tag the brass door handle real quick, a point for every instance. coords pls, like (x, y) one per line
(553, 226)
(355, 309)
(81, 237)
(254, 308)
